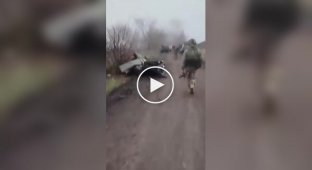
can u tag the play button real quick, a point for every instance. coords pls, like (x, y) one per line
(152, 87)
(155, 85)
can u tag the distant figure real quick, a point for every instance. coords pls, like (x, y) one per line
(192, 62)
(266, 23)
(179, 50)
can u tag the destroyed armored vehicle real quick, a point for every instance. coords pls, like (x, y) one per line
(140, 63)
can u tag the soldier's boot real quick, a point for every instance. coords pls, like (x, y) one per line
(192, 91)
(192, 86)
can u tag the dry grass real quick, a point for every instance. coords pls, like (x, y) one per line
(115, 82)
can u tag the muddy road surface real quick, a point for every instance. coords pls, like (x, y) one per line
(170, 135)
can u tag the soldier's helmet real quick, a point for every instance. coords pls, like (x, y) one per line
(192, 42)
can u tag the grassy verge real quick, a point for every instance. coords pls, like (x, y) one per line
(114, 83)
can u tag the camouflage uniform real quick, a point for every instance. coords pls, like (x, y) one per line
(192, 60)
(192, 57)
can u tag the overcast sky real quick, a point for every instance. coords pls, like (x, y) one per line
(191, 13)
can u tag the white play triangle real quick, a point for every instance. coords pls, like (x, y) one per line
(155, 85)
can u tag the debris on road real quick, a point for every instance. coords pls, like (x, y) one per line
(140, 63)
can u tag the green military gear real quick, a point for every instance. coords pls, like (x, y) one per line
(193, 57)
(192, 42)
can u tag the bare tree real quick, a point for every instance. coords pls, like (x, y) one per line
(146, 36)
(120, 44)
(178, 38)
(141, 25)
(177, 34)
(155, 37)
(151, 36)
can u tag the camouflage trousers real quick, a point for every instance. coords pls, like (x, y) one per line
(190, 74)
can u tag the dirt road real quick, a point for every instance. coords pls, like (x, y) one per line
(142, 136)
